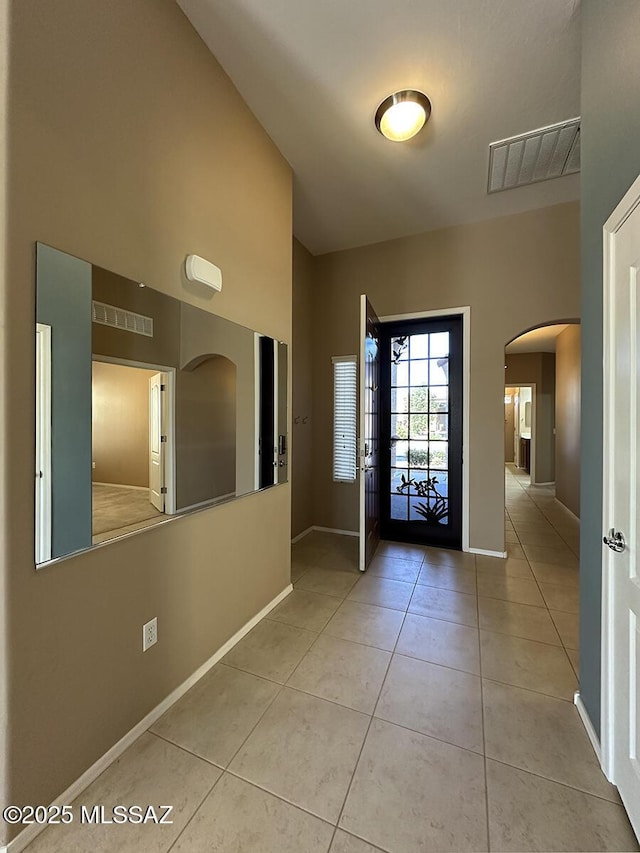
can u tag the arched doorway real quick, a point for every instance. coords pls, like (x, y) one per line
(542, 435)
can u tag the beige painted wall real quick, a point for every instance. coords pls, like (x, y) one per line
(207, 432)
(515, 272)
(120, 424)
(568, 354)
(128, 147)
(538, 367)
(302, 433)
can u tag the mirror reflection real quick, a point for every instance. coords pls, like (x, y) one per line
(146, 406)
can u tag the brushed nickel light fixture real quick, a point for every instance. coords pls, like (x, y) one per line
(403, 114)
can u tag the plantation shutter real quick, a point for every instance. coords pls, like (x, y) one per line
(345, 379)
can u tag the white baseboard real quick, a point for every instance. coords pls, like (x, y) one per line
(301, 535)
(355, 533)
(335, 530)
(74, 790)
(586, 722)
(119, 486)
(320, 530)
(210, 502)
(483, 553)
(570, 511)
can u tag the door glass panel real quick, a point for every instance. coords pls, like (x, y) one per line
(439, 455)
(438, 399)
(419, 476)
(439, 344)
(419, 454)
(399, 427)
(400, 373)
(419, 346)
(399, 454)
(440, 481)
(400, 400)
(416, 476)
(396, 477)
(399, 349)
(399, 507)
(438, 371)
(420, 372)
(438, 427)
(419, 399)
(419, 426)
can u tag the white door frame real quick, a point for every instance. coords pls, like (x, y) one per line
(276, 413)
(43, 445)
(466, 385)
(170, 402)
(157, 423)
(532, 461)
(625, 208)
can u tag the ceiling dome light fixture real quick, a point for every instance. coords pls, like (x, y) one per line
(403, 114)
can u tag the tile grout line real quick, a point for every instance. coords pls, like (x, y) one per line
(548, 609)
(556, 782)
(187, 750)
(484, 735)
(393, 653)
(556, 529)
(371, 719)
(279, 797)
(226, 769)
(372, 715)
(196, 810)
(564, 646)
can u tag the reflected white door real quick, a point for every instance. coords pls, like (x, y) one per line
(368, 430)
(43, 444)
(621, 584)
(516, 428)
(157, 440)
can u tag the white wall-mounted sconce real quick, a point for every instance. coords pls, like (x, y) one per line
(204, 272)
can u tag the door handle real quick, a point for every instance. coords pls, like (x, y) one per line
(615, 540)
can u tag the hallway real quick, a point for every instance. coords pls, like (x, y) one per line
(424, 706)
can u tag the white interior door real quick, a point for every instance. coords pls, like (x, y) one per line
(621, 585)
(368, 431)
(43, 444)
(157, 440)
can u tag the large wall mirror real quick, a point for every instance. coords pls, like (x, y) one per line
(146, 407)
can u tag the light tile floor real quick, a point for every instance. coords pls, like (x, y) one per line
(424, 706)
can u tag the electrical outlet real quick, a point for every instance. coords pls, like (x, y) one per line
(149, 634)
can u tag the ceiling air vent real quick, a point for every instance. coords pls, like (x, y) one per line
(109, 315)
(540, 155)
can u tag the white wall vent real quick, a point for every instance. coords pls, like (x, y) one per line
(540, 155)
(109, 315)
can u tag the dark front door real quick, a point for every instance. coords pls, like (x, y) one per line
(267, 421)
(421, 431)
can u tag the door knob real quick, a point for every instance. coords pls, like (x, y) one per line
(615, 540)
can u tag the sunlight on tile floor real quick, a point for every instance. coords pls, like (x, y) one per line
(423, 706)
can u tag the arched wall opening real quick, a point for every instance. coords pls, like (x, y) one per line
(542, 409)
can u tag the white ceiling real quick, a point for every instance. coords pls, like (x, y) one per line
(538, 340)
(314, 71)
